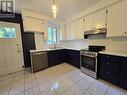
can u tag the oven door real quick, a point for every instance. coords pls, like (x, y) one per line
(88, 62)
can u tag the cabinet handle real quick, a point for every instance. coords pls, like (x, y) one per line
(107, 72)
(108, 63)
(83, 20)
(125, 32)
(71, 53)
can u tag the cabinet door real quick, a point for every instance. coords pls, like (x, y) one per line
(52, 58)
(100, 19)
(79, 34)
(28, 24)
(38, 25)
(110, 63)
(60, 56)
(45, 30)
(117, 23)
(88, 22)
(109, 76)
(72, 30)
(76, 59)
(123, 73)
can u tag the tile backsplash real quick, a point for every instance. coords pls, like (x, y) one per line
(114, 44)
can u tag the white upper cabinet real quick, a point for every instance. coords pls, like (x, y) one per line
(38, 24)
(45, 30)
(117, 23)
(74, 30)
(28, 24)
(88, 22)
(95, 21)
(79, 30)
(34, 25)
(100, 19)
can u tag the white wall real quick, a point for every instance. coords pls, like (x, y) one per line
(40, 43)
(115, 44)
(74, 44)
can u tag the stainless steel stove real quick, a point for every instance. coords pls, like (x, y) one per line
(89, 60)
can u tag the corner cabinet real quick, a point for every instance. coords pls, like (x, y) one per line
(117, 23)
(73, 57)
(56, 57)
(113, 69)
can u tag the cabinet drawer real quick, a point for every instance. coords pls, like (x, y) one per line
(109, 76)
(112, 66)
(109, 58)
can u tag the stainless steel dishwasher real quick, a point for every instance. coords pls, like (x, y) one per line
(39, 61)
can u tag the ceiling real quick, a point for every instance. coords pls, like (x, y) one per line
(66, 8)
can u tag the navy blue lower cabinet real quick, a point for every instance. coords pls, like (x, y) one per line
(55, 57)
(113, 69)
(52, 58)
(123, 72)
(109, 76)
(73, 57)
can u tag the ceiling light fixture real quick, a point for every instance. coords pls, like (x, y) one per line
(54, 8)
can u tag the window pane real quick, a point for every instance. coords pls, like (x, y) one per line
(49, 36)
(7, 33)
(54, 35)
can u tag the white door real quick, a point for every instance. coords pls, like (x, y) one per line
(11, 55)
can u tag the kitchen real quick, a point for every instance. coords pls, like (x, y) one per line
(49, 49)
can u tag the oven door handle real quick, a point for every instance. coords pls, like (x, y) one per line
(89, 56)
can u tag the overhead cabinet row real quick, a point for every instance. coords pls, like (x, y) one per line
(113, 18)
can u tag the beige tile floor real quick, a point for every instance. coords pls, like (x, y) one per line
(62, 79)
